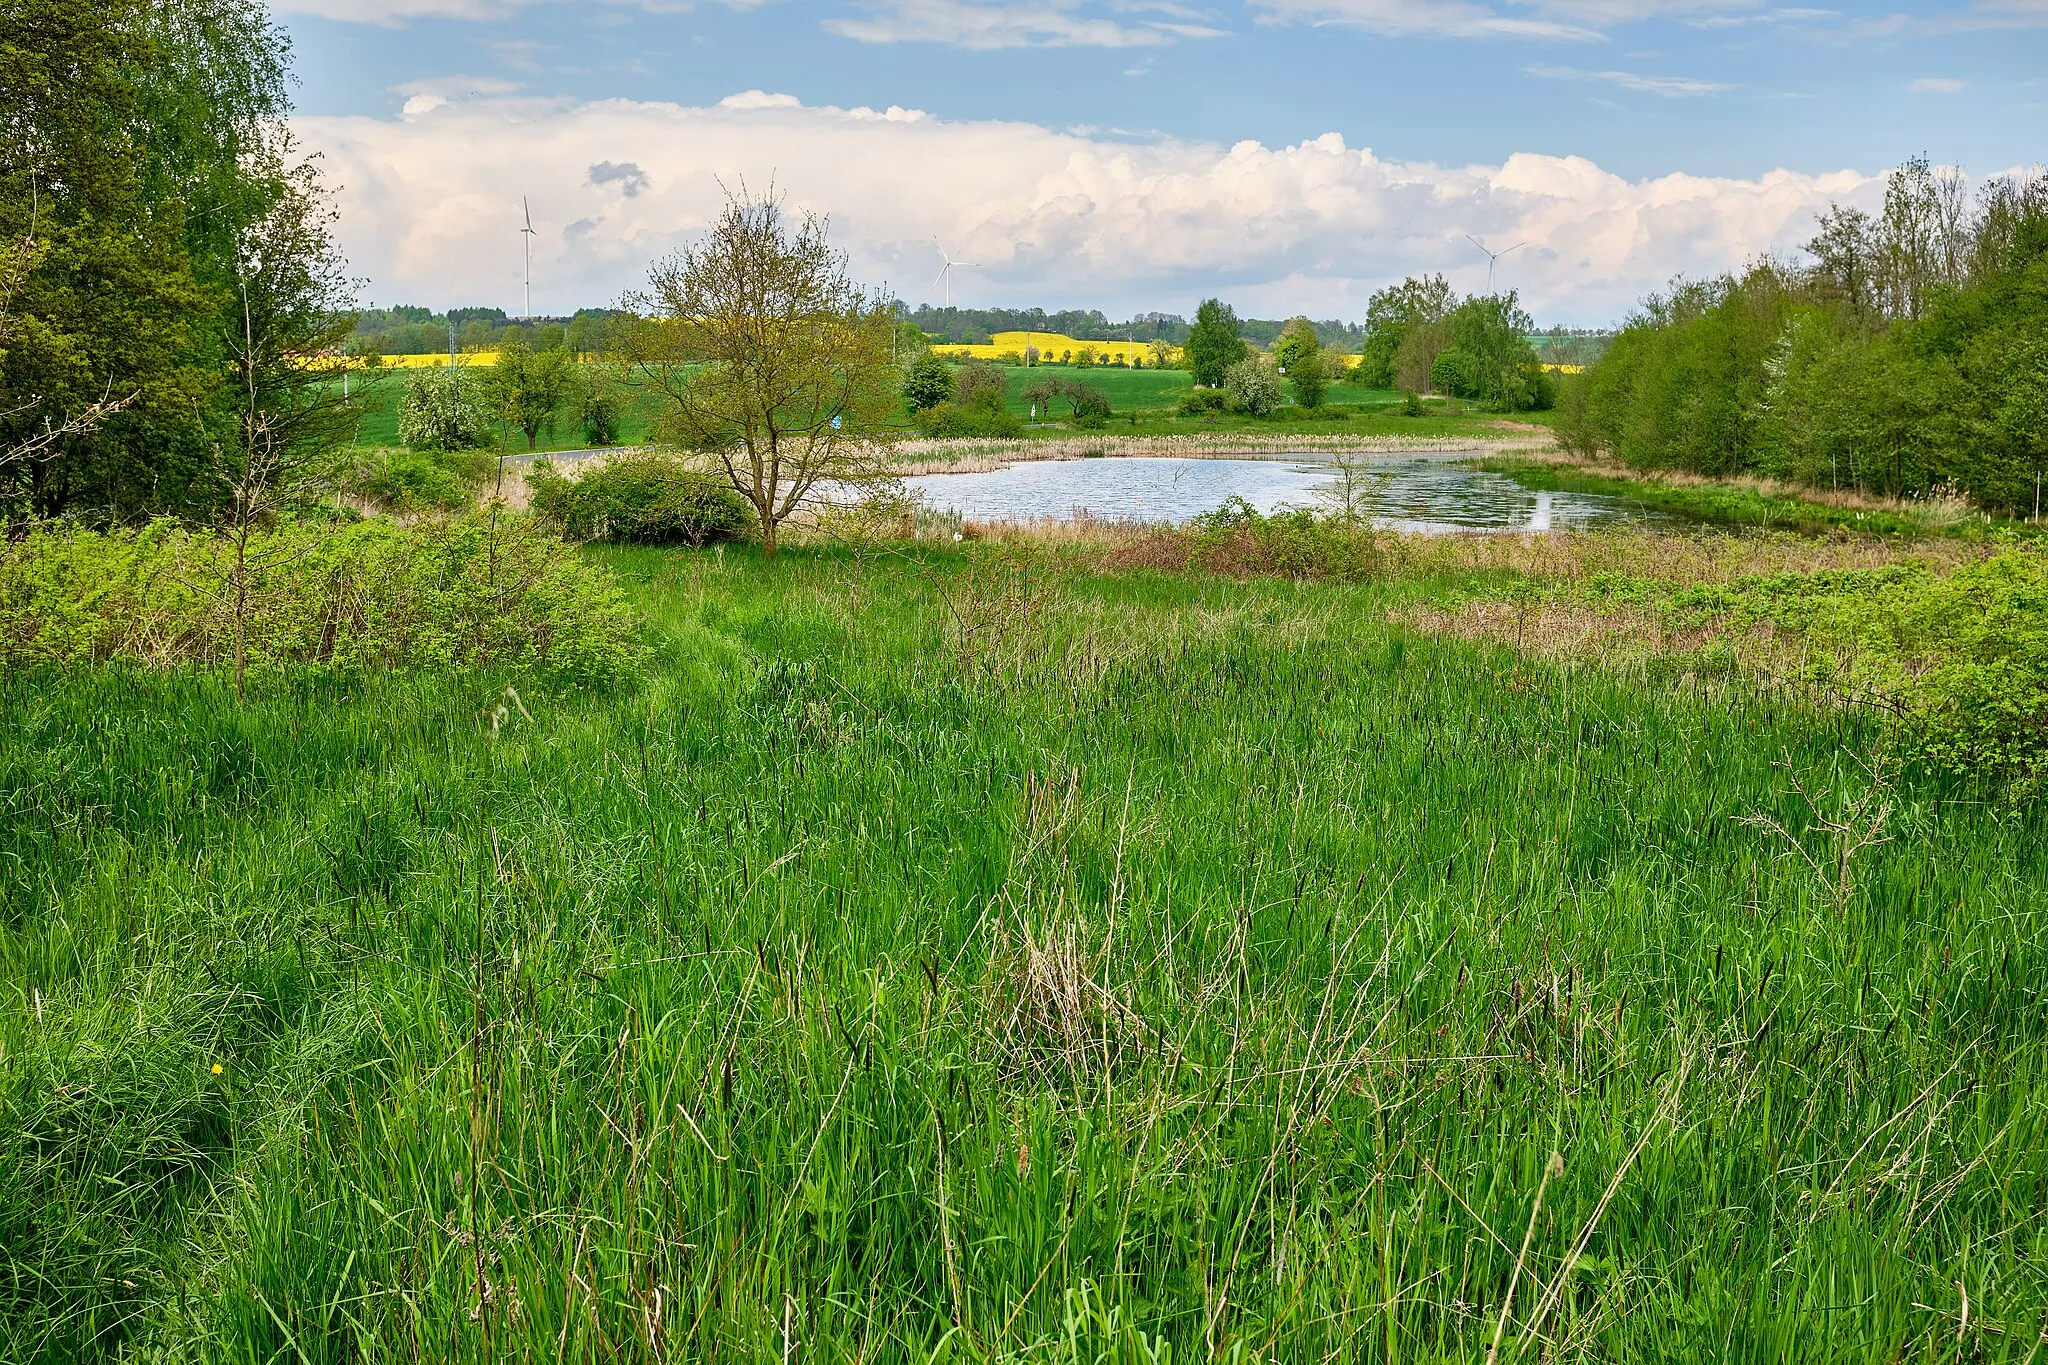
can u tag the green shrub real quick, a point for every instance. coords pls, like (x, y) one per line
(444, 410)
(474, 592)
(1202, 402)
(957, 419)
(602, 414)
(1411, 403)
(1965, 659)
(928, 384)
(978, 384)
(1239, 539)
(407, 480)
(642, 500)
(1253, 385)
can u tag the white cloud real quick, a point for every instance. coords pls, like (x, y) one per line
(1556, 20)
(1671, 87)
(1006, 23)
(430, 208)
(1935, 85)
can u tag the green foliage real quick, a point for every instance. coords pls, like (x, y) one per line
(1907, 360)
(409, 480)
(1309, 374)
(928, 383)
(1683, 385)
(978, 384)
(528, 387)
(603, 411)
(1087, 404)
(1490, 359)
(445, 410)
(1297, 341)
(1213, 968)
(1454, 374)
(1411, 404)
(1253, 385)
(640, 500)
(1405, 327)
(1966, 656)
(1203, 402)
(145, 150)
(1213, 345)
(1240, 540)
(1959, 660)
(480, 592)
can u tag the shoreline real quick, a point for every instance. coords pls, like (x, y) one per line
(980, 455)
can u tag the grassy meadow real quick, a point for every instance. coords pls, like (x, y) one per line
(1143, 402)
(958, 954)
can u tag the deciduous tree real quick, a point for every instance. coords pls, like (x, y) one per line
(768, 356)
(1214, 345)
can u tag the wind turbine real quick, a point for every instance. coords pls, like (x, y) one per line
(1492, 257)
(528, 234)
(945, 276)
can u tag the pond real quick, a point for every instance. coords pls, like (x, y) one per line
(1432, 494)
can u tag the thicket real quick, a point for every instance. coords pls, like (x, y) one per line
(1419, 337)
(970, 399)
(490, 592)
(640, 500)
(1908, 356)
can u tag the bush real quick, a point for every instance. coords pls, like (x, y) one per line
(978, 384)
(1411, 403)
(929, 383)
(643, 500)
(1253, 385)
(406, 480)
(956, 419)
(478, 592)
(1091, 405)
(443, 410)
(1202, 402)
(602, 411)
(1451, 374)
(1965, 660)
(1240, 540)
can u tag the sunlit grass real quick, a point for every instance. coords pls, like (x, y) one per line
(952, 956)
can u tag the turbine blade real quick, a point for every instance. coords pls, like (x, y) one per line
(939, 278)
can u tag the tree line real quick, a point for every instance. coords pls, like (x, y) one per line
(413, 330)
(1907, 355)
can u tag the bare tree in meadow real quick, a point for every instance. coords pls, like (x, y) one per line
(770, 357)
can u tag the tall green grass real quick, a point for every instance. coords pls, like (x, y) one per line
(942, 958)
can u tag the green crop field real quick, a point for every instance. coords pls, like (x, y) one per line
(1142, 400)
(950, 956)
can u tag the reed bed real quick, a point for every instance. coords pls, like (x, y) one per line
(958, 954)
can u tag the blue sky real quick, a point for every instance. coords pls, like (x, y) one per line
(1093, 153)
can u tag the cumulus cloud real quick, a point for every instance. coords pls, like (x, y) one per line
(430, 208)
(1556, 20)
(1006, 23)
(1671, 87)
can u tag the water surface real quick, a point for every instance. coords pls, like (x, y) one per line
(1426, 493)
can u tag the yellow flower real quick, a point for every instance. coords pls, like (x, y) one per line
(216, 1068)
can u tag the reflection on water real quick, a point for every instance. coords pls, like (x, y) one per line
(1430, 494)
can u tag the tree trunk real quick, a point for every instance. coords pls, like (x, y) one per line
(767, 538)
